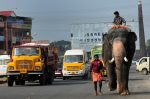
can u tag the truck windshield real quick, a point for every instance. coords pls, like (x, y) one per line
(74, 58)
(27, 51)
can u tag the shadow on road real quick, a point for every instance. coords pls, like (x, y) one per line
(134, 79)
(55, 83)
(141, 93)
(70, 82)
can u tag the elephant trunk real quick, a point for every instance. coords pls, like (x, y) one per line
(119, 56)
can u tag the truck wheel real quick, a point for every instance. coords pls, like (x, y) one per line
(10, 81)
(144, 71)
(64, 78)
(17, 82)
(42, 80)
(22, 82)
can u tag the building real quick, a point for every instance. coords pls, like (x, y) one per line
(88, 35)
(14, 30)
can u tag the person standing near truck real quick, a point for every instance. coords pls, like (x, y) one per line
(95, 68)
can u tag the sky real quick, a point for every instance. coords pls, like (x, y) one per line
(52, 19)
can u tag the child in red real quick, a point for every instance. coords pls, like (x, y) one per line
(95, 67)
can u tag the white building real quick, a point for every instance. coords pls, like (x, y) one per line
(86, 36)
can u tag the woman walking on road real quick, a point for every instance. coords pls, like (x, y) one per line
(95, 68)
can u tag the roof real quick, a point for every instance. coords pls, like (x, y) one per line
(74, 52)
(34, 44)
(4, 56)
(7, 13)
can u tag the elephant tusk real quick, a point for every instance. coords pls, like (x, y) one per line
(112, 60)
(125, 59)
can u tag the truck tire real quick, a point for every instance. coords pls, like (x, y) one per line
(64, 78)
(144, 72)
(50, 80)
(42, 80)
(10, 81)
(17, 82)
(22, 82)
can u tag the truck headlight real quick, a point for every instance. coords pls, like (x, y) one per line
(37, 68)
(82, 67)
(10, 68)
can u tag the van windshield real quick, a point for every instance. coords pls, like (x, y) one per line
(27, 51)
(74, 58)
(4, 61)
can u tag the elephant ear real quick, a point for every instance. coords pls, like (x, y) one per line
(132, 36)
(104, 36)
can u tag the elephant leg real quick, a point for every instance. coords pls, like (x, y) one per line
(119, 82)
(125, 82)
(111, 77)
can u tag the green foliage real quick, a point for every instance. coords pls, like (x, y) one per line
(62, 46)
(148, 44)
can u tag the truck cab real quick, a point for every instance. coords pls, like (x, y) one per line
(32, 62)
(143, 65)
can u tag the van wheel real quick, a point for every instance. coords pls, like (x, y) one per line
(22, 82)
(85, 77)
(144, 71)
(10, 81)
(64, 78)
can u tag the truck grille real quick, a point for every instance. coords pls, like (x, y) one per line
(73, 68)
(24, 64)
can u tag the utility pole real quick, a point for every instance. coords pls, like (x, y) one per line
(6, 36)
(141, 30)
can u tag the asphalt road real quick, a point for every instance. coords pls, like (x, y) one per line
(139, 86)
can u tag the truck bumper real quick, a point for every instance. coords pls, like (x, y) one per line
(31, 73)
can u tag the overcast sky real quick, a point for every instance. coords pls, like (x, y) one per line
(52, 19)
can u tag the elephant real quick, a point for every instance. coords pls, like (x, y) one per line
(117, 53)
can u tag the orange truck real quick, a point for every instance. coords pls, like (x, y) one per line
(31, 62)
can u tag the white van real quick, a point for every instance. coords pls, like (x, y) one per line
(75, 64)
(4, 59)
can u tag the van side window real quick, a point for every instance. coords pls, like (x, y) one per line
(1, 62)
(143, 60)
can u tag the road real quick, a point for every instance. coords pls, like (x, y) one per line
(139, 86)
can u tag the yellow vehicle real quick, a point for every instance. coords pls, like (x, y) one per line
(75, 64)
(30, 63)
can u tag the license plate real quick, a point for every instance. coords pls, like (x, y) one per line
(23, 71)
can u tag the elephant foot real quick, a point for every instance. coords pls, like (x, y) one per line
(124, 93)
(110, 87)
(112, 60)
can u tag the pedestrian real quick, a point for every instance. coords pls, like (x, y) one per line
(95, 68)
(118, 20)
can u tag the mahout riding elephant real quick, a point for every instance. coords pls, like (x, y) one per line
(118, 51)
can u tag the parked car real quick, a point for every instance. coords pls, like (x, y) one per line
(143, 65)
(58, 72)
